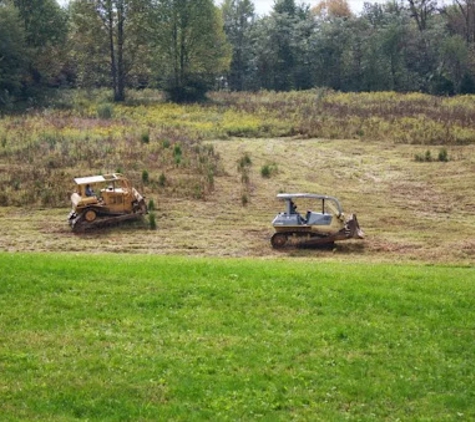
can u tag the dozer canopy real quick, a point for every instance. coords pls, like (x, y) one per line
(335, 204)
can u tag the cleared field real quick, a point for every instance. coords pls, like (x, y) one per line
(409, 210)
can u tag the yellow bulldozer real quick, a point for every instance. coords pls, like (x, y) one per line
(104, 200)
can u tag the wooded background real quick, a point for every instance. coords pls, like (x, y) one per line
(188, 47)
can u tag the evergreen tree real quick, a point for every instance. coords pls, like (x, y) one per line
(238, 25)
(13, 54)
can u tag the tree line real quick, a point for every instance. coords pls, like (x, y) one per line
(188, 47)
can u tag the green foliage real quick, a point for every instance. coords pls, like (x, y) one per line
(188, 48)
(244, 162)
(151, 205)
(443, 155)
(192, 48)
(177, 150)
(145, 176)
(145, 137)
(13, 54)
(239, 24)
(427, 156)
(105, 111)
(177, 153)
(162, 180)
(152, 221)
(190, 91)
(89, 51)
(157, 337)
(267, 170)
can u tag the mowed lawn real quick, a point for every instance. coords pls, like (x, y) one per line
(143, 337)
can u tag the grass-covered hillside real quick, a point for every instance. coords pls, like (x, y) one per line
(134, 337)
(403, 163)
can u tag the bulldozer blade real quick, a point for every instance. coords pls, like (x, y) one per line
(354, 228)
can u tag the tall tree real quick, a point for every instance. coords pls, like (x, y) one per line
(191, 46)
(333, 8)
(88, 47)
(13, 54)
(461, 18)
(421, 11)
(238, 25)
(108, 31)
(282, 34)
(113, 15)
(45, 26)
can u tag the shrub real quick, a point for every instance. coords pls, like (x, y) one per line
(265, 171)
(268, 170)
(145, 176)
(162, 180)
(177, 153)
(424, 158)
(177, 150)
(244, 161)
(152, 221)
(105, 111)
(193, 90)
(443, 155)
(145, 137)
(428, 156)
(244, 199)
(151, 205)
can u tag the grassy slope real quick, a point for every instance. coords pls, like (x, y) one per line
(360, 148)
(162, 338)
(409, 211)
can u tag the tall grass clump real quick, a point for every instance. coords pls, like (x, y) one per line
(162, 180)
(244, 169)
(105, 111)
(145, 176)
(427, 156)
(152, 221)
(145, 137)
(443, 155)
(267, 170)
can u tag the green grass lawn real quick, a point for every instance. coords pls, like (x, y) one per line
(117, 338)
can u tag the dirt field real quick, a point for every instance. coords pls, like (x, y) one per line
(409, 211)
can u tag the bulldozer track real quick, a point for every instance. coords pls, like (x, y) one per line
(80, 224)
